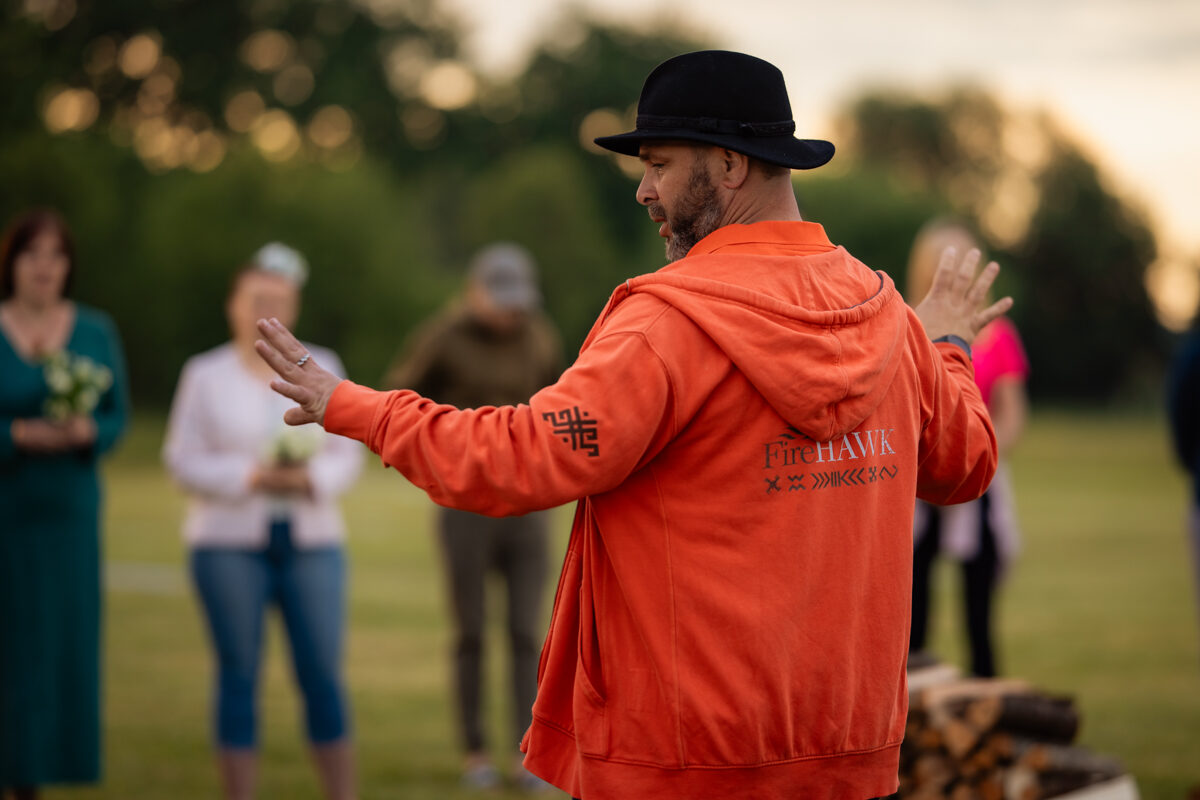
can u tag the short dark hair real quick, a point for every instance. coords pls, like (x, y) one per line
(772, 170)
(21, 233)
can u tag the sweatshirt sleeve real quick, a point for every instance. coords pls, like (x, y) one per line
(581, 436)
(957, 452)
(187, 452)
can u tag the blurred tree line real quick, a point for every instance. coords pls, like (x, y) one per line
(178, 136)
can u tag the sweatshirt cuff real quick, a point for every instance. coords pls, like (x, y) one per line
(958, 341)
(948, 348)
(351, 410)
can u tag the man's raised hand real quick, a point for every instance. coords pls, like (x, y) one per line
(955, 303)
(300, 378)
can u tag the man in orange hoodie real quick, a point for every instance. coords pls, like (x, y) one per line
(745, 430)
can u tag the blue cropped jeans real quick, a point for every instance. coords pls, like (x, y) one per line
(308, 586)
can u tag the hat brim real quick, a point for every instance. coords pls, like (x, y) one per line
(784, 151)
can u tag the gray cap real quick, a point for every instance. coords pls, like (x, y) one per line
(506, 271)
(279, 259)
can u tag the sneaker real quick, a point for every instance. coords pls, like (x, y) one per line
(480, 775)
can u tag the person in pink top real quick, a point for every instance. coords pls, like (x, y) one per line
(981, 534)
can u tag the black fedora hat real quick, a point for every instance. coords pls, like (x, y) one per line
(731, 100)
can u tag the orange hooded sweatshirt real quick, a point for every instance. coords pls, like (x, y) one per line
(747, 428)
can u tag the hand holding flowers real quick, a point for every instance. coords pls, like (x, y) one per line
(43, 435)
(74, 386)
(285, 467)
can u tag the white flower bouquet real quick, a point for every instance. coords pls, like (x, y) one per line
(75, 385)
(292, 446)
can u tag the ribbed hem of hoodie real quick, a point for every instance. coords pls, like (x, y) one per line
(553, 756)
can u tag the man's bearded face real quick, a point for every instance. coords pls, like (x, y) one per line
(696, 213)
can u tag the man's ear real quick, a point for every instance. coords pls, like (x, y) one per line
(735, 167)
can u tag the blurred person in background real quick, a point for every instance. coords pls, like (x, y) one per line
(264, 529)
(492, 349)
(63, 405)
(1183, 415)
(981, 534)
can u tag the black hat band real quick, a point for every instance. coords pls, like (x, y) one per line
(713, 125)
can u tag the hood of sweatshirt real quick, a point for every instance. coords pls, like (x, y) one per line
(818, 333)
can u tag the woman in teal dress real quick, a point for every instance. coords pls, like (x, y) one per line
(50, 505)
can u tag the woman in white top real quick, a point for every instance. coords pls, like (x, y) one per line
(264, 528)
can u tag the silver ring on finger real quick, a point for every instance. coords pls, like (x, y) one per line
(303, 359)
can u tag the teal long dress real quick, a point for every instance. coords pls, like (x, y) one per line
(50, 507)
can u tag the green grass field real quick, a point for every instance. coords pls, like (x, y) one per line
(1100, 605)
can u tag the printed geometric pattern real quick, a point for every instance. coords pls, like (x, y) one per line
(576, 428)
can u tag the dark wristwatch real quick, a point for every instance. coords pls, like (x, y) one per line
(958, 341)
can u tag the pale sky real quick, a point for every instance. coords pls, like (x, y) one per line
(1122, 75)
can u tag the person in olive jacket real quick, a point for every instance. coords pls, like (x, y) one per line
(492, 348)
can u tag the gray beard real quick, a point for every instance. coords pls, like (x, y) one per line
(698, 215)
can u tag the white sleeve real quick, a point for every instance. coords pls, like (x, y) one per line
(189, 451)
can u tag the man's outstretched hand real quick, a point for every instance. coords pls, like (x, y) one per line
(300, 378)
(955, 303)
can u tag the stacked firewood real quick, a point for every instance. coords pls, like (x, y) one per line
(991, 739)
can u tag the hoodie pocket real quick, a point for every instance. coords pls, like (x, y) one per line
(590, 706)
